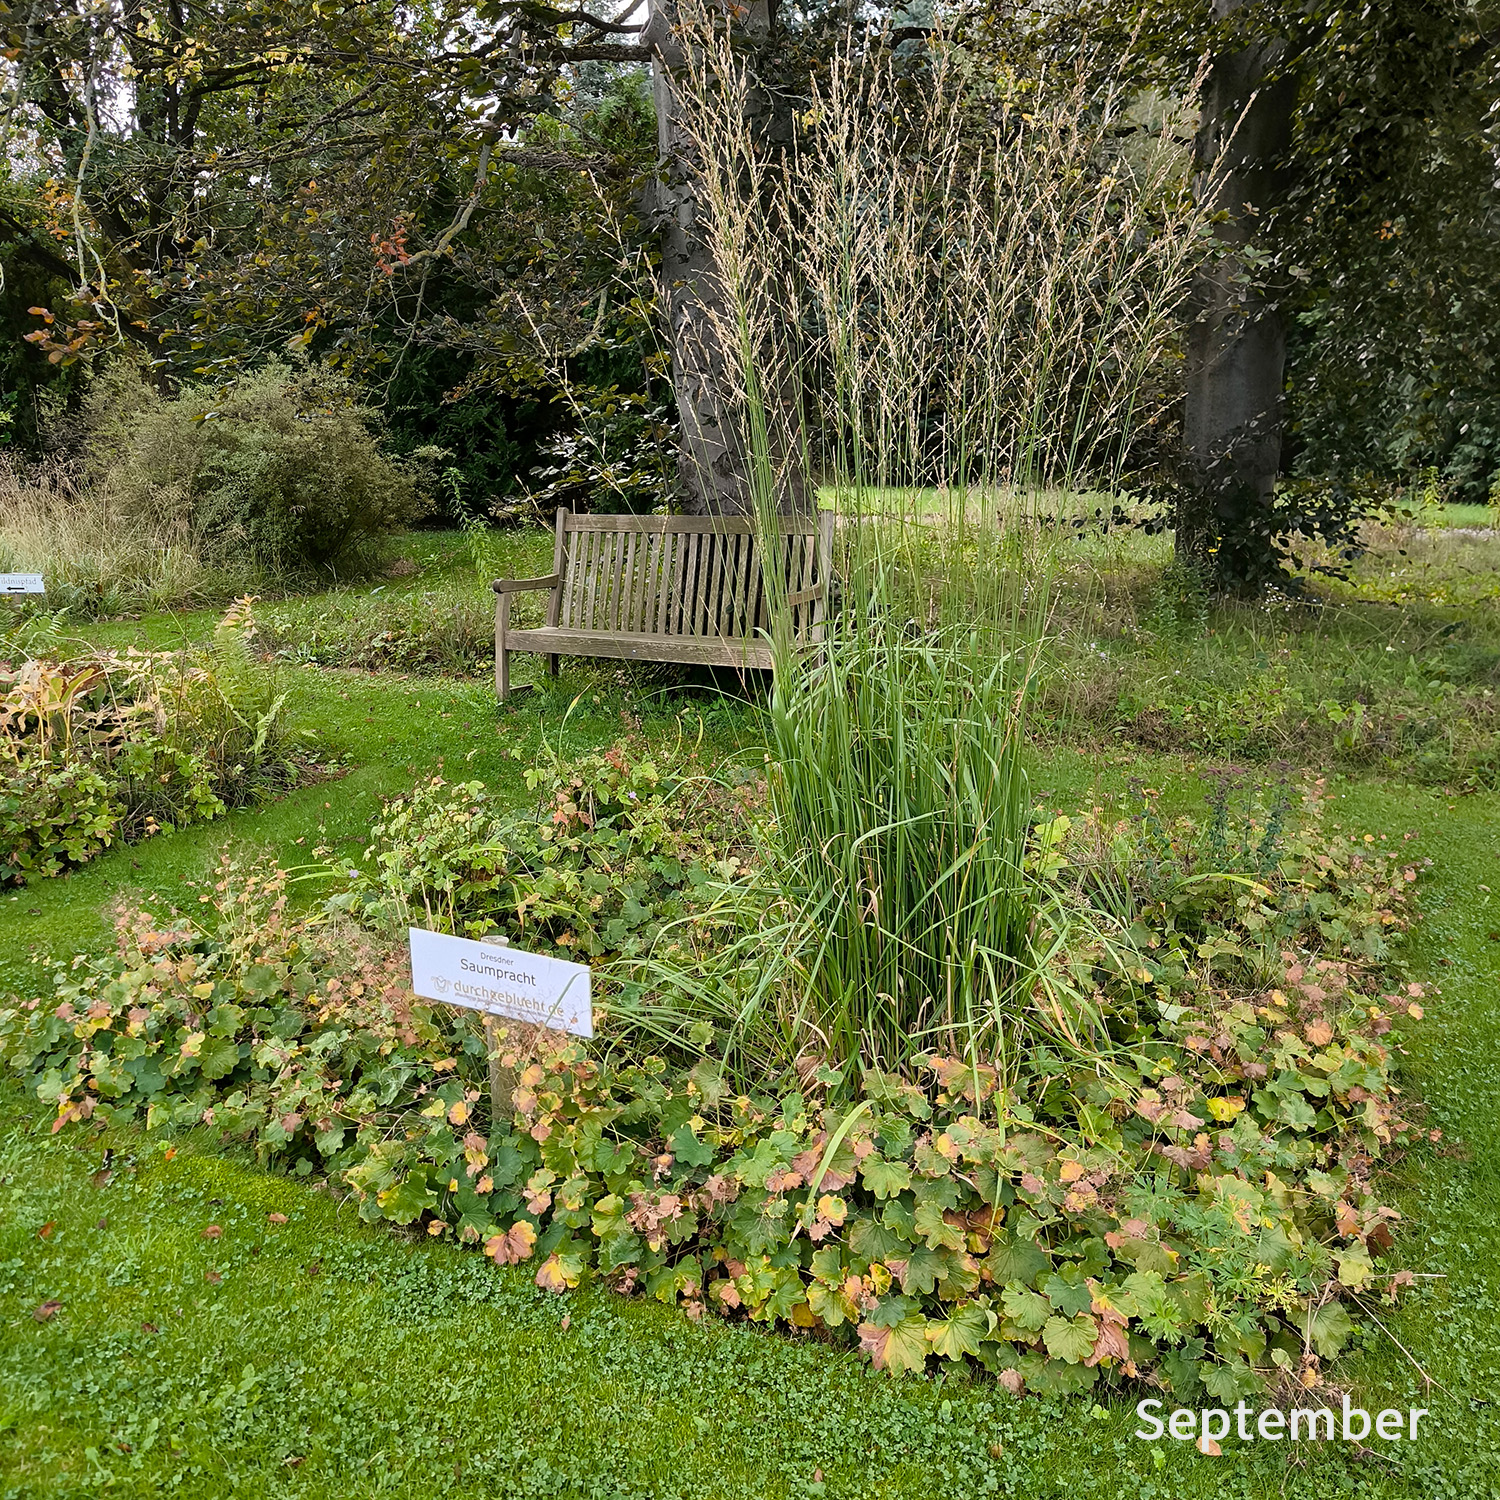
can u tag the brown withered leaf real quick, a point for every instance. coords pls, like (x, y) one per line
(212, 1277)
(47, 1310)
(1111, 1343)
(213, 1232)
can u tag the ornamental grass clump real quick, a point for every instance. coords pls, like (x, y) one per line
(897, 829)
(937, 301)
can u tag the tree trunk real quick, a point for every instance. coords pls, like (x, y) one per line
(1237, 346)
(713, 469)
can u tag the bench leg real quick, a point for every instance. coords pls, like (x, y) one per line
(552, 664)
(502, 656)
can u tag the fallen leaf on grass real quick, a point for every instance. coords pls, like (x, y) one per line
(212, 1278)
(211, 1233)
(275, 1218)
(1207, 1445)
(45, 1232)
(149, 1328)
(48, 1309)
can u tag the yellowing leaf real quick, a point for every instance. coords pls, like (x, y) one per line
(902, 1347)
(1224, 1110)
(831, 1304)
(559, 1273)
(962, 1333)
(512, 1247)
(802, 1316)
(1070, 1339)
(1355, 1269)
(458, 1114)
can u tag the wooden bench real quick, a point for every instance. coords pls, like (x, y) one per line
(666, 588)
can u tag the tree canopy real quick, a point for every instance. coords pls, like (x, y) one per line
(451, 202)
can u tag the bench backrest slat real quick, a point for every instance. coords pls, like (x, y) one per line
(680, 575)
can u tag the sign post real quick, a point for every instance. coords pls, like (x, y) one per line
(493, 978)
(500, 1094)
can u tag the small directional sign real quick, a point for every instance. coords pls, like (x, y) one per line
(22, 583)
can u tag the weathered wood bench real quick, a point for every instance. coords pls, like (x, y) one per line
(666, 588)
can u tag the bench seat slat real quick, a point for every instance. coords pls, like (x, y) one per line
(695, 650)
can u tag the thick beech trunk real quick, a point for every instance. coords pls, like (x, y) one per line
(713, 468)
(1237, 347)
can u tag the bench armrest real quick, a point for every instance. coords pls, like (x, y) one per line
(522, 585)
(805, 596)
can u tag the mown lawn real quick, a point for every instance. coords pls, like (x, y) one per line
(332, 1359)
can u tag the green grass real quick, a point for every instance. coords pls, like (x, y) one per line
(409, 1369)
(397, 1362)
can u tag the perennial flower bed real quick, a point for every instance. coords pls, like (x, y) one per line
(1195, 1205)
(102, 747)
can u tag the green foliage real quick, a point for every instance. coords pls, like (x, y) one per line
(112, 745)
(53, 816)
(1179, 603)
(1187, 1206)
(282, 466)
(100, 556)
(897, 829)
(620, 456)
(449, 628)
(605, 855)
(1394, 668)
